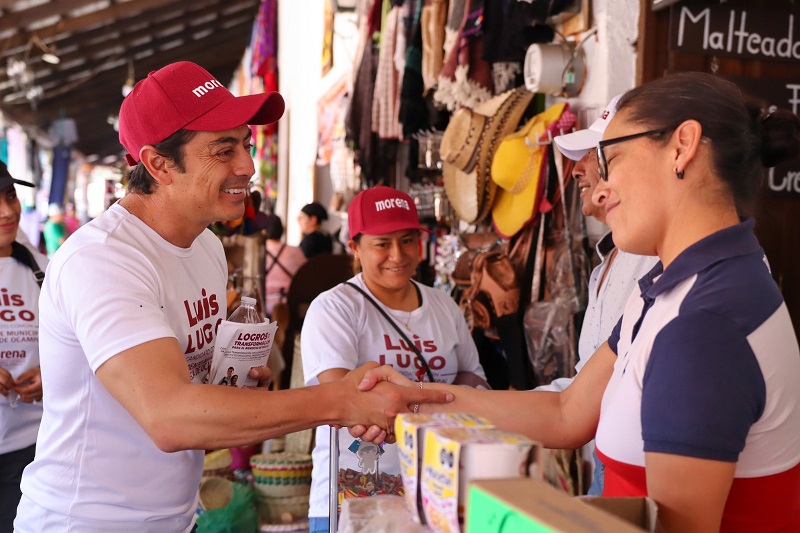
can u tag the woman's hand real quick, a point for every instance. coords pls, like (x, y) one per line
(6, 381)
(29, 385)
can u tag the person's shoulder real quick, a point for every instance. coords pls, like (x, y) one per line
(437, 296)
(209, 239)
(341, 297)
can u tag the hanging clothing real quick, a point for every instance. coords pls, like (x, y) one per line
(466, 78)
(358, 123)
(433, 20)
(386, 102)
(413, 114)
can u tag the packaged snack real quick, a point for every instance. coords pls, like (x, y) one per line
(454, 457)
(410, 429)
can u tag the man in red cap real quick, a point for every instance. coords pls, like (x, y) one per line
(129, 312)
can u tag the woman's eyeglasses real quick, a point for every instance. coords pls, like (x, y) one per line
(602, 164)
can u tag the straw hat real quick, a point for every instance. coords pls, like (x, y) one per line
(467, 158)
(504, 122)
(460, 138)
(519, 166)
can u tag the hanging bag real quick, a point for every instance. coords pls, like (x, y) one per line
(495, 288)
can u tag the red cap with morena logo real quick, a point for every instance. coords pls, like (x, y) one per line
(184, 95)
(381, 210)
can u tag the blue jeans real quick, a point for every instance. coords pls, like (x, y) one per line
(319, 524)
(597, 479)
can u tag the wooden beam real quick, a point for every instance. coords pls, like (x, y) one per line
(25, 17)
(218, 37)
(112, 13)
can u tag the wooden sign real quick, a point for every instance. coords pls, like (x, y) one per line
(713, 29)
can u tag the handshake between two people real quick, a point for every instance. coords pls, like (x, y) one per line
(393, 394)
(367, 399)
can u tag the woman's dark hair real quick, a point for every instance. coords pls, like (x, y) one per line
(140, 179)
(256, 197)
(316, 209)
(273, 227)
(744, 138)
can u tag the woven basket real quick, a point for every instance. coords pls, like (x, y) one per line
(274, 510)
(282, 474)
(300, 525)
(215, 493)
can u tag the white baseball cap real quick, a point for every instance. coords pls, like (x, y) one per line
(575, 145)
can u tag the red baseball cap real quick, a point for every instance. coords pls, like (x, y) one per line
(382, 210)
(184, 95)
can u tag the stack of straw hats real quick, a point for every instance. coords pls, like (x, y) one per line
(468, 146)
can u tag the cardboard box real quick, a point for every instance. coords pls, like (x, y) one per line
(534, 506)
(641, 512)
(454, 457)
(410, 429)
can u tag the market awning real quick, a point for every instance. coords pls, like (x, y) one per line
(97, 46)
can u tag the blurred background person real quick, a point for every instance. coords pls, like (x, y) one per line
(55, 231)
(70, 220)
(259, 222)
(315, 239)
(282, 261)
(20, 376)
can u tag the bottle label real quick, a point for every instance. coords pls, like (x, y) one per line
(239, 348)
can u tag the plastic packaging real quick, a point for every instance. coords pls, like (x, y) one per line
(246, 313)
(239, 515)
(243, 342)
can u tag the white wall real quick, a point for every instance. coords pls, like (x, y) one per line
(611, 65)
(300, 33)
(300, 25)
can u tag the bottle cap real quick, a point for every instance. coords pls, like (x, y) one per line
(247, 300)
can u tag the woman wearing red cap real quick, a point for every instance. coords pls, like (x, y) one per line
(344, 329)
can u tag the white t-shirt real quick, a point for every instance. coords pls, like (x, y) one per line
(19, 347)
(113, 285)
(343, 330)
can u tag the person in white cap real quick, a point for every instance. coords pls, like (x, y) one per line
(613, 280)
(693, 399)
(129, 312)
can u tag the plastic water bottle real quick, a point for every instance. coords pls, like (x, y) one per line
(13, 398)
(246, 312)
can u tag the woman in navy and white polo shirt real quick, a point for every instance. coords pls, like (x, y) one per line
(695, 398)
